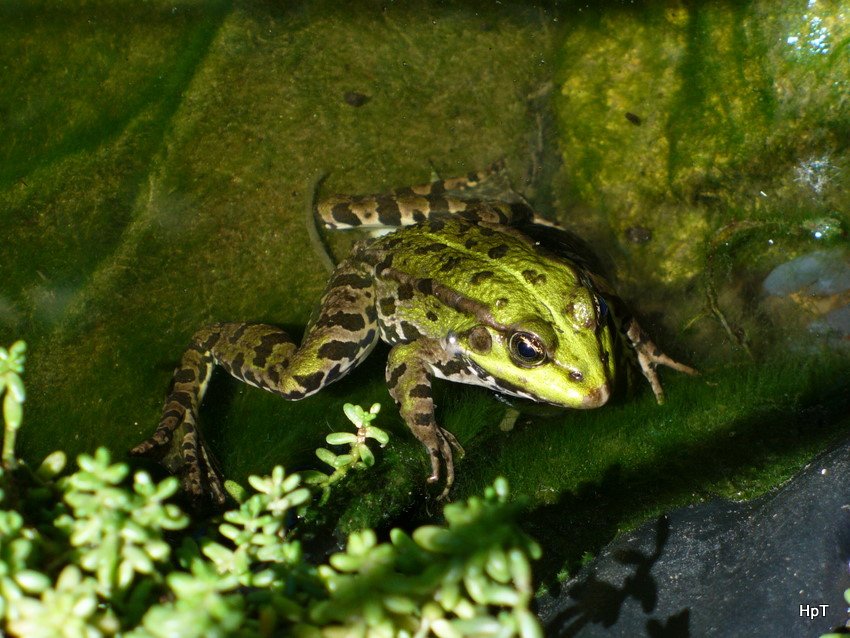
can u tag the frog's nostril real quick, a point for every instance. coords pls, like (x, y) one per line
(576, 376)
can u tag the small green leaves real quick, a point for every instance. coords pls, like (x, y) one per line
(358, 457)
(52, 465)
(12, 360)
(341, 438)
(14, 395)
(106, 567)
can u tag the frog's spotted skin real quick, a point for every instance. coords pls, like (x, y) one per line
(458, 293)
(480, 196)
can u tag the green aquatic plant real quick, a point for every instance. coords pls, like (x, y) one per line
(92, 554)
(11, 385)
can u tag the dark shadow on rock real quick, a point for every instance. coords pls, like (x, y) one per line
(599, 602)
(677, 626)
(602, 506)
(722, 568)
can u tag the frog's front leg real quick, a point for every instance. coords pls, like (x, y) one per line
(409, 370)
(342, 333)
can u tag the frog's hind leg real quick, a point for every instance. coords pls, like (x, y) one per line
(341, 335)
(478, 196)
(650, 356)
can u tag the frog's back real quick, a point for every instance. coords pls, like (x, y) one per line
(436, 277)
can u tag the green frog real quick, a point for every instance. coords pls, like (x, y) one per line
(458, 290)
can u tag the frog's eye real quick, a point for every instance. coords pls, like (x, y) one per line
(527, 349)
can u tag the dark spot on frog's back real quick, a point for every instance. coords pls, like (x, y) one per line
(355, 98)
(431, 315)
(480, 277)
(336, 350)
(633, 118)
(497, 252)
(435, 224)
(237, 334)
(385, 263)
(470, 243)
(410, 332)
(387, 306)
(450, 264)
(344, 215)
(533, 277)
(405, 292)
(350, 280)
(425, 286)
(435, 247)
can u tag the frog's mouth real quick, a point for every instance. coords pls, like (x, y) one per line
(598, 397)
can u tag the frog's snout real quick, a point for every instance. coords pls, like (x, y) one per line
(597, 397)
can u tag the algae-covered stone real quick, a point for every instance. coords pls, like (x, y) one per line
(673, 117)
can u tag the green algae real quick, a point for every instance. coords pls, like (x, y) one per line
(154, 179)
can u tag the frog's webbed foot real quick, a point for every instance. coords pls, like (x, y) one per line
(177, 442)
(408, 378)
(649, 357)
(178, 445)
(442, 455)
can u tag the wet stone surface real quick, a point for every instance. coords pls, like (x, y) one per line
(817, 286)
(758, 568)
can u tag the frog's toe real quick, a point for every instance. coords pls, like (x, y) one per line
(453, 442)
(447, 441)
(200, 478)
(173, 417)
(649, 360)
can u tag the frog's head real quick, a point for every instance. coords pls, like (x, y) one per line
(566, 362)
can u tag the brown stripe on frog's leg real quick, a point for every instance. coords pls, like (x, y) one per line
(393, 211)
(483, 196)
(409, 380)
(477, 180)
(234, 346)
(650, 357)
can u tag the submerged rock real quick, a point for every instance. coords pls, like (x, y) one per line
(774, 566)
(817, 285)
(822, 272)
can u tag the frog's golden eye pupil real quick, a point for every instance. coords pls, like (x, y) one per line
(527, 349)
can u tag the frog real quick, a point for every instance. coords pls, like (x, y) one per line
(459, 289)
